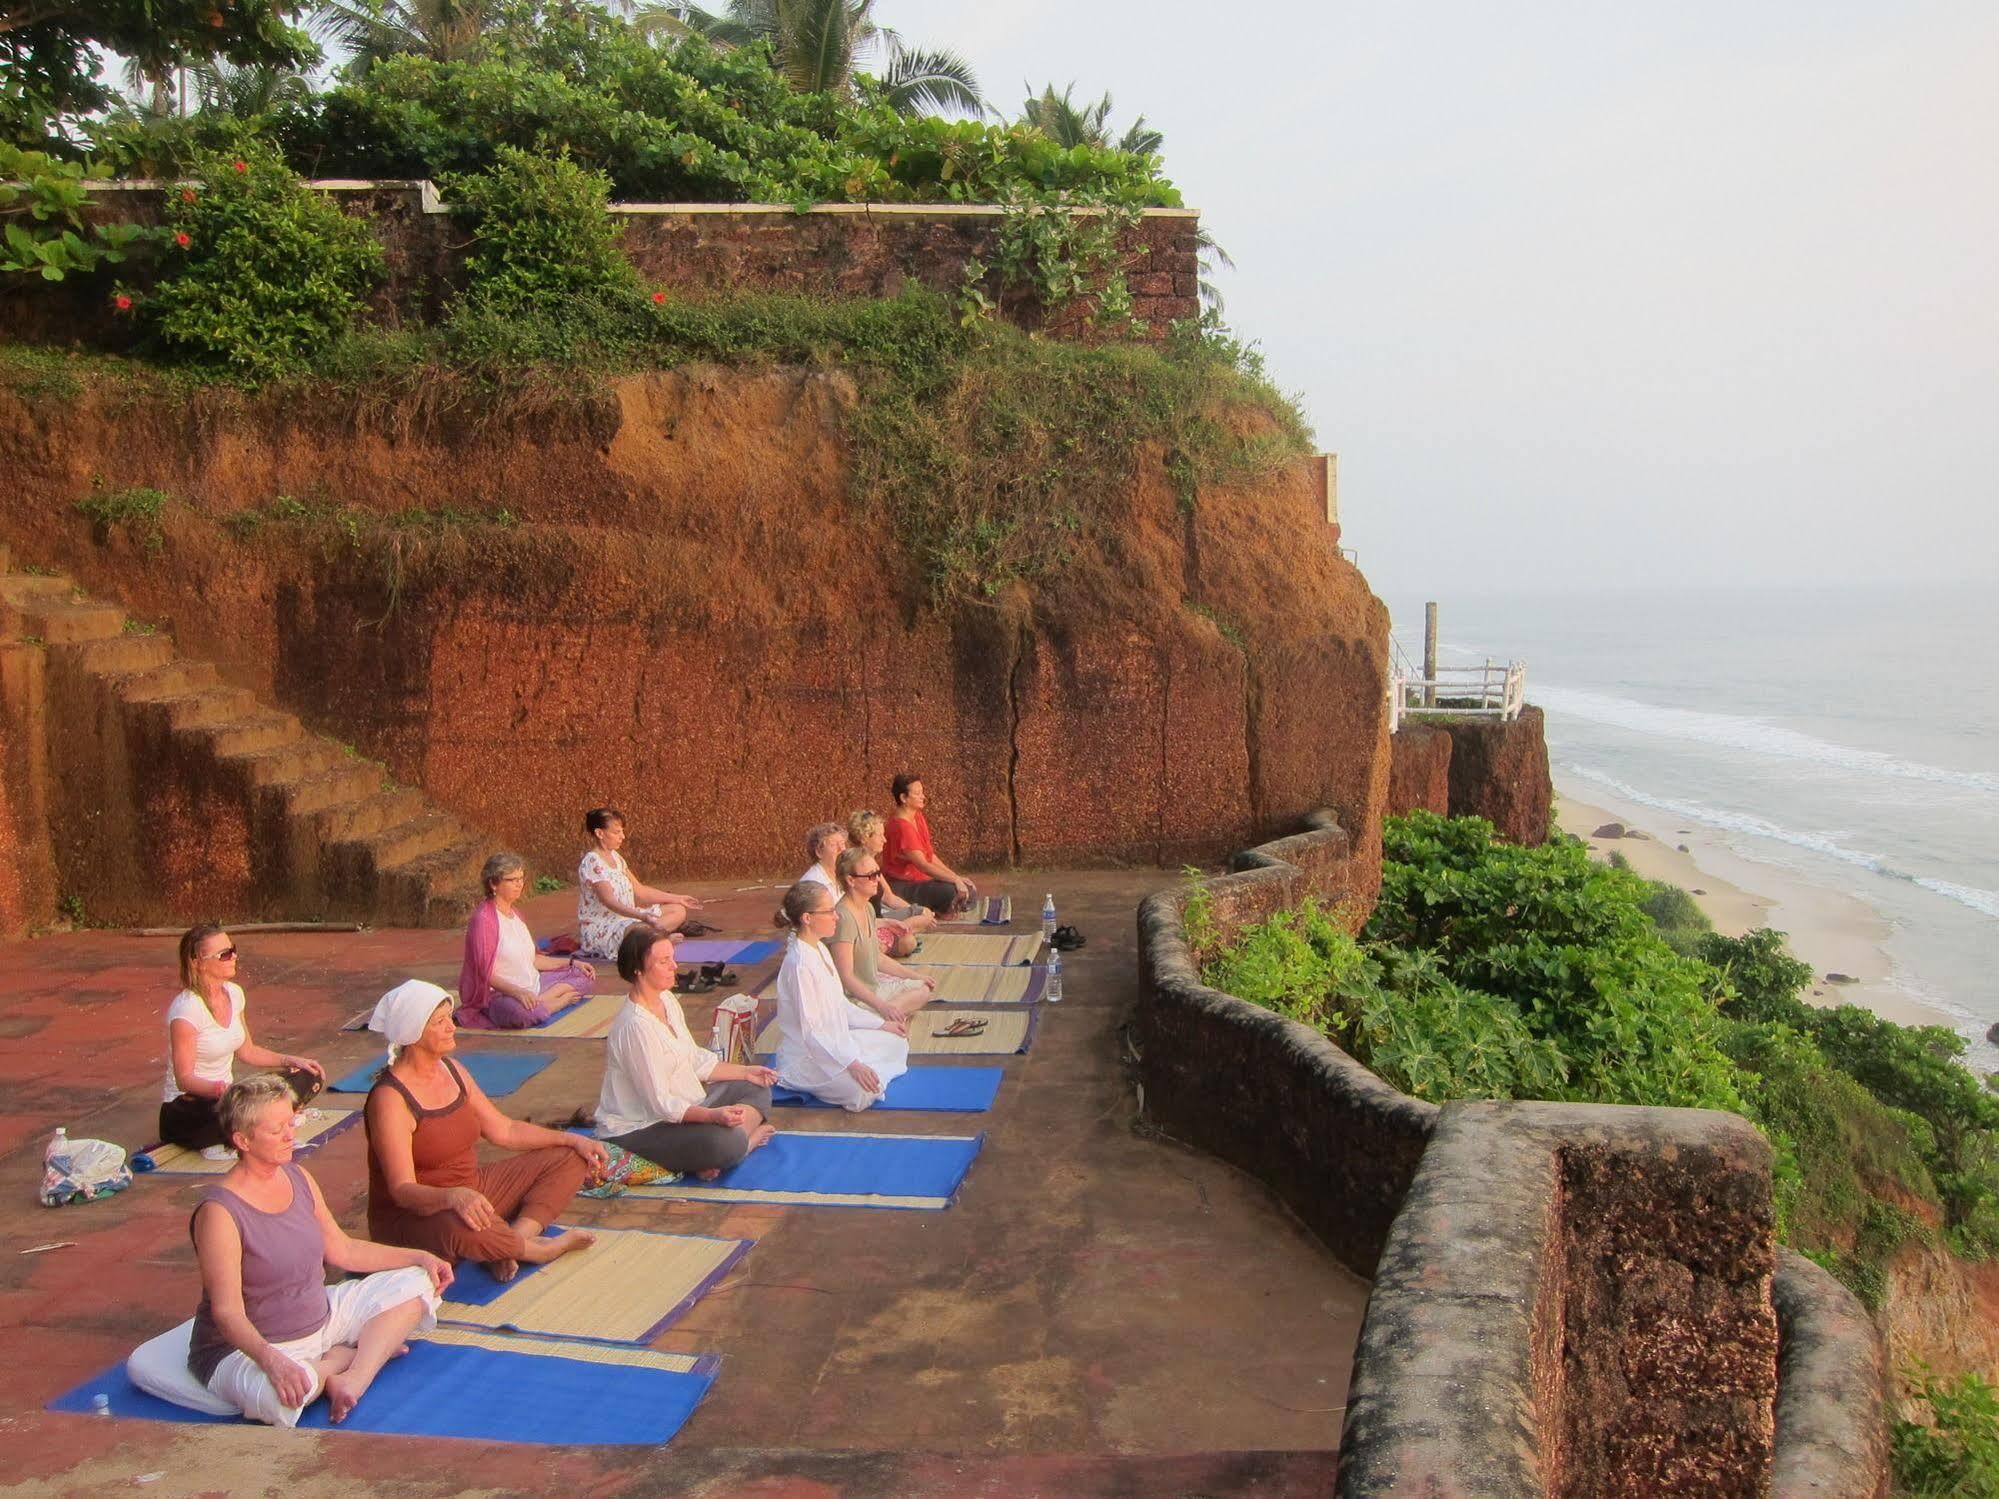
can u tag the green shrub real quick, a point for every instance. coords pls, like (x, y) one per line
(1955, 1453)
(680, 122)
(1297, 963)
(1678, 917)
(541, 238)
(43, 232)
(262, 274)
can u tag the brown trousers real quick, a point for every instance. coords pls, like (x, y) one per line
(537, 1184)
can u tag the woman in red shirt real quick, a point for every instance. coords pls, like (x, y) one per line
(909, 858)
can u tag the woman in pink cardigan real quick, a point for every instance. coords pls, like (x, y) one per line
(504, 983)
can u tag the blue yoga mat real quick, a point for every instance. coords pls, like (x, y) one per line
(441, 1390)
(498, 1073)
(944, 1090)
(876, 1165)
(722, 950)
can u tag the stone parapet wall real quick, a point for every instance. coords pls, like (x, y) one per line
(1832, 1384)
(1568, 1300)
(1269, 1094)
(686, 249)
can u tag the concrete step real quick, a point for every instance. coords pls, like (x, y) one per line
(438, 889)
(179, 677)
(263, 729)
(60, 622)
(360, 819)
(340, 784)
(123, 654)
(425, 833)
(288, 765)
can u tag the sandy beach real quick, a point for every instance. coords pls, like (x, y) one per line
(1833, 932)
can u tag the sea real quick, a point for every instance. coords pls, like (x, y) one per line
(1846, 735)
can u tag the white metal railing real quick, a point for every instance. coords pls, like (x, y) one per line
(1494, 690)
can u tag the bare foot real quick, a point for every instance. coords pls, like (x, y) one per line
(709, 1175)
(343, 1390)
(762, 1135)
(541, 1251)
(504, 1270)
(336, 1360)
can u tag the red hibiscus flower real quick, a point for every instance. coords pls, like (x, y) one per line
(659, 296)
(242, 165)
(122, 302)
(182, 239)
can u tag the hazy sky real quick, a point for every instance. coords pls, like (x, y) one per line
(1590, 291)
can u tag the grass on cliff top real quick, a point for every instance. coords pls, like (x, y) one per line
(991, 455)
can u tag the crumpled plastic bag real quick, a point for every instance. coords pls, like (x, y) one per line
(82, 1171)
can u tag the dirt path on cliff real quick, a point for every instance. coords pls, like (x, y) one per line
(1100, 1312)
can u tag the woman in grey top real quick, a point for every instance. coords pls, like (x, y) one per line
(867, 975)
(271, 1335)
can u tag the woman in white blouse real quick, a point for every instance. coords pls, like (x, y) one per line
(836, 1051)
(206, 1036)
(677, 1104)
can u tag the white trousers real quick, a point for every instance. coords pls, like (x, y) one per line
(351, 1306)
(888, 1055)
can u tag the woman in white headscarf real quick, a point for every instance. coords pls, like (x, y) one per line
(426, 1116)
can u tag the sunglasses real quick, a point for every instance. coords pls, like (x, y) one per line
(867, 874)
(222, 957)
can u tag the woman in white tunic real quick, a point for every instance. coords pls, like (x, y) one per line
(836, 1051)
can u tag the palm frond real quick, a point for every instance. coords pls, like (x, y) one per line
(930, 80)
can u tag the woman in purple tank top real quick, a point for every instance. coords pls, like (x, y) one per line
(270, 1334)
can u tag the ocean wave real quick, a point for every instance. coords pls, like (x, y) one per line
(1986, 902)
(1754, 735)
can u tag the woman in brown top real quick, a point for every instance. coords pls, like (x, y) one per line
(426, 1116)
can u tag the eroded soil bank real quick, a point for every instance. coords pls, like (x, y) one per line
(662, 595)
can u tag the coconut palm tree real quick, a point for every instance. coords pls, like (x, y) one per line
(249, 91)
(443, 30)
(819, 46)
(1057, 117)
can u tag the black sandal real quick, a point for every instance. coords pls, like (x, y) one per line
(1067, 939)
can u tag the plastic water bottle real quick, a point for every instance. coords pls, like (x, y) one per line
(1048, 918)
(58, 1145)
(1055, 979)
(100, 1405)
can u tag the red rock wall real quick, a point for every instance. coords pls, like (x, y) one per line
(690, 621)
(834, 250)
(1499, 771)
(1419, 777)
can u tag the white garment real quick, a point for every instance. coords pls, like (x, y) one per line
(652, 1070)
(215, 1044)
(822, 1034)
(351, 1305)
(513, 958)
(599, 929)
(818, 876)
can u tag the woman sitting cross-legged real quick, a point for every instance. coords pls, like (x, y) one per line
(270, 1334)
(866, 976)
(909, 854)
(206, 1036)
(677, 1104)
(898, 923)
(826, 842)
(426, 1116)
(610, 901)
(838, 1052)
(504, 984)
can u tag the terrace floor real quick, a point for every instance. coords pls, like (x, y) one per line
(1101, 1312)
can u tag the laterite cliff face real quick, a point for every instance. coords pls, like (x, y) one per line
(692, 619)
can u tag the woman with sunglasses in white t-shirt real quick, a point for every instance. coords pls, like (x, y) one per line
(207, 1035)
